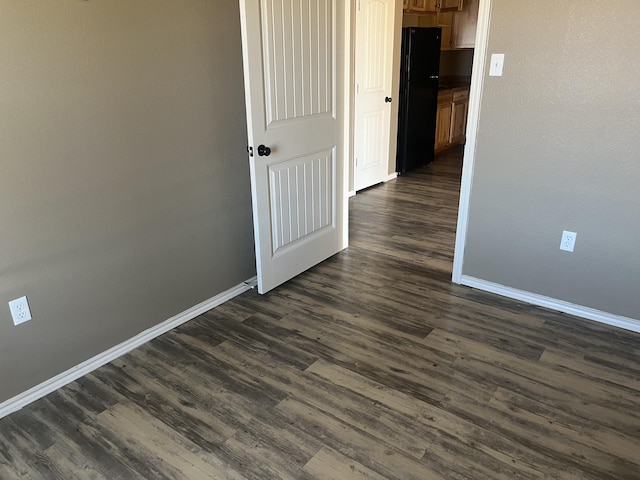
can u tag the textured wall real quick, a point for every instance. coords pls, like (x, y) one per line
(124, 181)
(558, 149)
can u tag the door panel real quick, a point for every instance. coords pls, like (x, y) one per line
(300, 200)
(374, 67)
(292, 65)
(298, 41)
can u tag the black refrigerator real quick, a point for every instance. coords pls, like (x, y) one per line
(419, 80)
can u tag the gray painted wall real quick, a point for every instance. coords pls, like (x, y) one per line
(124, 182)
(559, 136)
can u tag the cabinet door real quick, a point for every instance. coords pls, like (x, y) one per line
(466, 24)
(450, 5)
(445, 22)
(422, 5)
(406, 4)
(458, 121)
(443, 126)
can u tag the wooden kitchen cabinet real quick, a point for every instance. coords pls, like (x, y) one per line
(465, 25)
(449, 5)
(445, 22)
(458, 27)
(451, 119)
(433, 6)
(443, 120)
(417, 5)
(458, 24)
(459, 110)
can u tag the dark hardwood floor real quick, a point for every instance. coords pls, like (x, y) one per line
(371, 365)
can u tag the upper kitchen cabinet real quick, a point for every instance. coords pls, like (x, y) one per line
(465, 25)
(458, 26)
(416, 5)
(433, 6)
(448, 5)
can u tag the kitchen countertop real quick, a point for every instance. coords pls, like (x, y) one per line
(450, 88)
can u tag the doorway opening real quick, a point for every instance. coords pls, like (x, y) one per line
(463, 55)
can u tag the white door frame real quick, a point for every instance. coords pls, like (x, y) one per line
(475, 101)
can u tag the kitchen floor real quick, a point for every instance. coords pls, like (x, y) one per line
(371, 365)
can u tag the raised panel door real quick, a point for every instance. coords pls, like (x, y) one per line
(450, 5)
(458, 121)
(293, 79)
(374, 65)
(443, 126)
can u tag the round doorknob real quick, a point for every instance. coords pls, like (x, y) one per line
(387, 99)
(263, 151)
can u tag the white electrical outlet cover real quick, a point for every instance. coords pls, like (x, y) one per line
(20, 310)
(568, 241)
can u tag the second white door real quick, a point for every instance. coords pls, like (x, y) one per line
(375, 20)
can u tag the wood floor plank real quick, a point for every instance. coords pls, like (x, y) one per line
(350, 407)
(501, 368)
(151, 438)
(386, 372)
(72, 463)
(356, 444)
(466, 441)
(13, 462)
(328, 464)
(588, 436)
(105, 451)
(174, 407)
(581, 365)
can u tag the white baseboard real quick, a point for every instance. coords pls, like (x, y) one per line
(553, 304)
(392, 176)
(22, 400)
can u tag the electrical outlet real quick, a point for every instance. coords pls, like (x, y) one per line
(20, 310)
(568, 241)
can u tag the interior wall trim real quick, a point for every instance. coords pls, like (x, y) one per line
(475, 101)
(23, 399)
(553, 304)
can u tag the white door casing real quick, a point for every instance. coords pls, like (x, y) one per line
(375, 24)
(293, 54)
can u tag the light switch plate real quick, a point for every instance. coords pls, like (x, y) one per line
(497, 65)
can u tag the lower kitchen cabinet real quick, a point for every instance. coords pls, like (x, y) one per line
(451, 120)
(443, 120)
(459, 109)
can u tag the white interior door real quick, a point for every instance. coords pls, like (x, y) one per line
(293, 54)
(375, 23)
